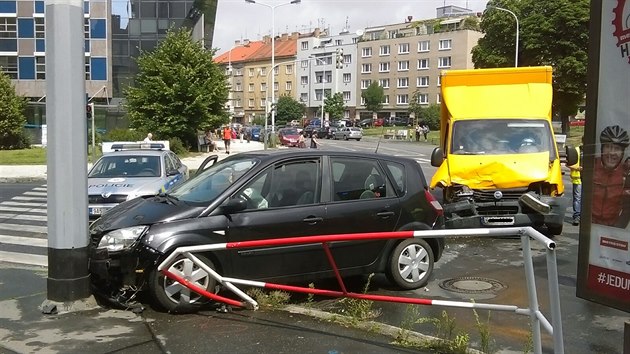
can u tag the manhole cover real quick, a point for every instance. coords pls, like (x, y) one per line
(472, 285)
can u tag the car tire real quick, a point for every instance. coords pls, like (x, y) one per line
(411, 264)
(553, 230)
(174, 297)
(359, 139)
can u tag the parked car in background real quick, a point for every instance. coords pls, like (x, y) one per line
(308, 130)
(288, 136)
(132, 170)
(397, 121)
(365, 123)
(256, 131)
(379, 122)
(268, 194)
(348, 133)
(331, 132)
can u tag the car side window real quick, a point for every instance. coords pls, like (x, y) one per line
(176, 161)
(398, 173)
(355, 179)
(168, 164)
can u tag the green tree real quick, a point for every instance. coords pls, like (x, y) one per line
(373, 97)
(551, 33)
(12, 118)
(288, 109)
(430, 115)
(178, 91)
(334, 106)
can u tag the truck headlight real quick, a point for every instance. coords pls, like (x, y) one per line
(121, 239)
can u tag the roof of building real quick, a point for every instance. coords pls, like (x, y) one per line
(240, 52)
(284, 48)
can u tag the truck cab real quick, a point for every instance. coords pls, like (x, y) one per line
(498, 163)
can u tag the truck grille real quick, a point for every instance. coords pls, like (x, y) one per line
(99, 199)
(498, 210)
(488, 196)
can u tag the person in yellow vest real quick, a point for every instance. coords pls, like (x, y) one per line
(576, 180)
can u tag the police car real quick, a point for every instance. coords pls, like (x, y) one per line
(130, 171)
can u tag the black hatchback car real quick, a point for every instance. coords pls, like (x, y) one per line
(270, 194)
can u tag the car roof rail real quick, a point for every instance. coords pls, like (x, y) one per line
(138, 146)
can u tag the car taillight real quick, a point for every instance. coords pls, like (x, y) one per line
(434, 203)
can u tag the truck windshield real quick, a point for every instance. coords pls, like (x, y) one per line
(501, 136)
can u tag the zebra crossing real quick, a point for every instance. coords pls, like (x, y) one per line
(23, 228)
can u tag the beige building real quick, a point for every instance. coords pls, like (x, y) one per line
(406, 60)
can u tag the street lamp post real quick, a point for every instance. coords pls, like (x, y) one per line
(517, 29)
(273, 51)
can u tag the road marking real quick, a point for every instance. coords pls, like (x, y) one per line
(30, 210)
(24, 241)
(23, 258)
(23, 204)
(29, 198)
(36, 194)
(24, 217)
(26, 228)
(40, 189)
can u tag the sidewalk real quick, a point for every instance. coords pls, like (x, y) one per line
(25, 329)
(37, 173)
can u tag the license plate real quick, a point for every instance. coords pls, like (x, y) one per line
(96, 211)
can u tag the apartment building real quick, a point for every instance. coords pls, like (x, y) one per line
(406, 60)
(327, 65)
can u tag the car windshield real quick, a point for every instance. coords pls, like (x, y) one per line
(501, 136)
(290, 132)
(110, 166)
(212, 182)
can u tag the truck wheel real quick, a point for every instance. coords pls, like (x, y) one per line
(411, 264)
(174, 297)
(553, 230)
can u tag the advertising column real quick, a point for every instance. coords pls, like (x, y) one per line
(604, 253)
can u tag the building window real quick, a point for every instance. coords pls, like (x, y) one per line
(303, 97)
(263, 86)
(250, 102)
(338, 42)
(9, 65)
(384, 50)
(403, 48)
(365, 84)
(276, 70)
(444, 62)
(386, 99)
(403, 82)
(8, 27)
(366, 52)
(251, 72)
(304, 45)
(40, 68)
(346, 95)
(26, 68)
(238, 72)
(238, 103)
(289, 69)
(98, 28)
(439, 81)
(347, 58)
(275, 86)
(304, 63)
(438, 99)
(347, 77)
(304, 80)
(40, 45)
(384, 83)
(39, 7)
(87, 68)
(250, 88)
(8, 7)
(99, 68)
(40, 27)
(8, 45)
(445, 44)
(423, 64)
(403, 65)
(383, 67)
(422, 81)
(262, 71)
(402, 99)
(362, 101)
(26, 28)
(423, 98)
(366, 68)
(263, 102)
(424, 46)
(238, 87)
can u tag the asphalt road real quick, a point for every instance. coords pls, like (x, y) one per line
(492, 268)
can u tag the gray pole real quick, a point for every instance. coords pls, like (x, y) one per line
(68, 276)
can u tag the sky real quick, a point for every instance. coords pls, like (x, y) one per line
(238, 20)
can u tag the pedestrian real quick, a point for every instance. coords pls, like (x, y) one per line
(227, 138)
(576, 180)
(149, 138)
(241, 133)
(418, 129)
(314, 142)
(425, 132)
(209, 140)
(302, 140)
(611, 188)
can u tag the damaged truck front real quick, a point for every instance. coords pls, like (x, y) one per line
(498, 163)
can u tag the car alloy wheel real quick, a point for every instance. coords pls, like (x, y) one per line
(174, 297)
(411, 264)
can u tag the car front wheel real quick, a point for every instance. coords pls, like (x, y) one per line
(411, 264)
(174, 297)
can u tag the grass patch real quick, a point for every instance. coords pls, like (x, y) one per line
(32, 156)
(269, 300)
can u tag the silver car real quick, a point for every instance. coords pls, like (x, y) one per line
(130, 171)
(348, 133)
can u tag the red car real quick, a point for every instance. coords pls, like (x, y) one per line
(378, 122)
(288, 136)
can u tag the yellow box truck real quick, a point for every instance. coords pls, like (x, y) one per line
(498, 163)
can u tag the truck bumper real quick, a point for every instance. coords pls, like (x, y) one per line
(467, 214)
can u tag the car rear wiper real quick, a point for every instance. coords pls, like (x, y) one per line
(169, 199)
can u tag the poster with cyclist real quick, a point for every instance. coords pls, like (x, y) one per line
(604, 252)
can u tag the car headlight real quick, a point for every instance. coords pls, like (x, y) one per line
(121, 239)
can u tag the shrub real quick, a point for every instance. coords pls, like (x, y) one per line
(124, 135)
(14, 140)
(177, 146)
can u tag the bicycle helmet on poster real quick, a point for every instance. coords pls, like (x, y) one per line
(616, 135)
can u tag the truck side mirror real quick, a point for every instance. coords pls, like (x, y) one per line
(437, 157)
(572, 155)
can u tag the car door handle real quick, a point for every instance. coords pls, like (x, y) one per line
(312, 220)
(385, 214)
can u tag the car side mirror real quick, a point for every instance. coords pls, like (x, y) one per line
(234, 205)
(572, 155)
(437, 157)
(172, 172)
